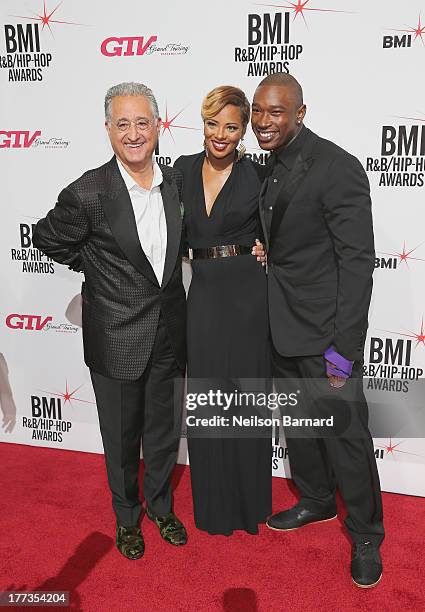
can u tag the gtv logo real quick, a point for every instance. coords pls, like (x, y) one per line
(17, 139)
(126, 45)
(26, 321)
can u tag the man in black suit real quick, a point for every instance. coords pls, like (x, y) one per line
(121, 225)
(316, 213)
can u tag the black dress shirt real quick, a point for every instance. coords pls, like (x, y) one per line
(280, 163)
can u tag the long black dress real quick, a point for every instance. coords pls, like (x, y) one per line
(228, 339)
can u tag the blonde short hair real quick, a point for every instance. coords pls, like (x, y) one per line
(219, 97)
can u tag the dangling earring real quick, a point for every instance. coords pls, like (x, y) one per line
(241, 150)
(205, 149)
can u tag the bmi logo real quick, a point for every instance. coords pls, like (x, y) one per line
(257, 155)
(405, 37)
(269, 47)
(47, 421)
(402, 155)
(391, 357)
(397, 259)
(393, 449)
(31, 260)
(24, 57)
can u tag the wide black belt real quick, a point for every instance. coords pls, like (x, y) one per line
(226, 250)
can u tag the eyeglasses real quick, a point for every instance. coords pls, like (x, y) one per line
(123, 125)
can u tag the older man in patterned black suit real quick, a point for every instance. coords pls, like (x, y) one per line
(121, 225)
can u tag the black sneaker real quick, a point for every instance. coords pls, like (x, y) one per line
(297, 517)
(366, 565)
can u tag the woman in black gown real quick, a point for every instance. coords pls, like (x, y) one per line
(227, 315)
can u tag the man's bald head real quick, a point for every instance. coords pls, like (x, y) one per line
(285, 80)
(278, 111)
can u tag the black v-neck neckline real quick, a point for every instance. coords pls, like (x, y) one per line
(219, 194)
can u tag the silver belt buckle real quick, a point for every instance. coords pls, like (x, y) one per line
(227, 250)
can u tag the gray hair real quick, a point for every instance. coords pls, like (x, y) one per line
(130, 89)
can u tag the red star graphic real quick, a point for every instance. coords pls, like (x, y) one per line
(168, 124)
(392, 448)
(69, 395)
(405, 255)
(418, 31)
(300, 7)
(419, 337)
(46, 18)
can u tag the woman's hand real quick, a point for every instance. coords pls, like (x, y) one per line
(260, 252)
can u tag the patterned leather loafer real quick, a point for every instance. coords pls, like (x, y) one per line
(130, 542)
(171, 529)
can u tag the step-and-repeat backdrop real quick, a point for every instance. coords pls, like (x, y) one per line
(360, 64)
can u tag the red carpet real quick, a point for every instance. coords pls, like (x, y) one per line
(57, 533)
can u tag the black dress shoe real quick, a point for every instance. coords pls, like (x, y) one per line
(130, 542)
(170, 527)
(297, 517)
(366, 565)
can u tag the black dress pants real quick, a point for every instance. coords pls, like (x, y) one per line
(146, 411)
(319, 465)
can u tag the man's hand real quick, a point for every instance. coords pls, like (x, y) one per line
(259, 251)
(338, 369)
(335, 381)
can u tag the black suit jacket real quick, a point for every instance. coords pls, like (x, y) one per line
(92, 229)
(320, 253)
